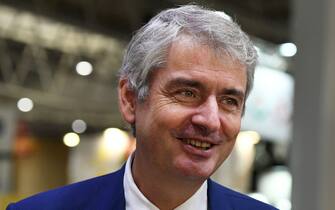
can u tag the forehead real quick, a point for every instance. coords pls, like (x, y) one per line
(189, 58)
(197, 52)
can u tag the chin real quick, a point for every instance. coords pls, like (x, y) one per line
(198, 175)
(197, 172)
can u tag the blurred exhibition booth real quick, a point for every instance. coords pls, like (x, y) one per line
(59, 120)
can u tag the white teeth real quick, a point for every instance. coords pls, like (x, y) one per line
(204, 144)
(195, 143)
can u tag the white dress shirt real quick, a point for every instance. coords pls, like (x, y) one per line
(135, 200)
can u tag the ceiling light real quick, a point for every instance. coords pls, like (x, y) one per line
(71, 139)
(249, 137)
(25, 104)
(79, 126)
(84, 68)
(114, 143)
(287, 49)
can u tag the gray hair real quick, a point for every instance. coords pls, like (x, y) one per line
(148, 49)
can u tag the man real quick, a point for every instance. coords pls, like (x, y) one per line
(183, 85)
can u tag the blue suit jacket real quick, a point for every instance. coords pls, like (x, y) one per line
(106, 193)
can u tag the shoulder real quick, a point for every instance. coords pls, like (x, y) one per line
(220, 195)
(75, 196)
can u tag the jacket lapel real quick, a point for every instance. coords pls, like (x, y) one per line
(111, 193)
(216, 197)
(113, 196)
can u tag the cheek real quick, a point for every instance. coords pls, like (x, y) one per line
(226, 149)
(168, 114)
(231, 126)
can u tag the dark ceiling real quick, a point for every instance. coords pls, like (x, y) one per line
(266, 19)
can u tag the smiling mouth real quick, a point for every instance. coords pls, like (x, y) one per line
(197, 144)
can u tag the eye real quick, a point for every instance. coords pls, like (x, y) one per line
(187, 93)
(230, 103)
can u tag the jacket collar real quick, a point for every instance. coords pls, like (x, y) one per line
(216, 197)
(215, 194)
(111, 193)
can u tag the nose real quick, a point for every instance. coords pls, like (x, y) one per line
(207, 116)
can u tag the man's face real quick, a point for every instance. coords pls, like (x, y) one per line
(188, 124)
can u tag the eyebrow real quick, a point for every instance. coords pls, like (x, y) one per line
(234, 92)
(184, 82)
(178, 82)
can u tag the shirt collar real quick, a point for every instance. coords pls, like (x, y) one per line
(136, 200)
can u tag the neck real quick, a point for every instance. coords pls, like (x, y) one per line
(164, 190)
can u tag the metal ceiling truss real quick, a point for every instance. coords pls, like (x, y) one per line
(38, 58)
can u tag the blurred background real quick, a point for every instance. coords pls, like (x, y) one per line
(59, 119)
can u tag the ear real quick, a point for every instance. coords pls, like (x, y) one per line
(127, 101)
